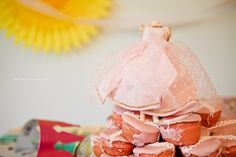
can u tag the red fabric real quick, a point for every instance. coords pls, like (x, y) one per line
(49, 137)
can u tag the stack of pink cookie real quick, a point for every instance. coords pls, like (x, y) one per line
(132, 133)
(129, 133)
(165, 104)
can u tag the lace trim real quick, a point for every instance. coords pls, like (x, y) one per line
(225, 137)
(223, 123)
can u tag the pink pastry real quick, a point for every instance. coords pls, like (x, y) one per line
(229, 146)
(113, 143)
(181, 130)
(156, 78)
(117, 115)
(206, 147)
(210, 113)
(226, 127)
(158, 149)
(96, 145)
(226, 132)
(139, 130)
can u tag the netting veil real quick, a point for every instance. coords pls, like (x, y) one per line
(157, 75)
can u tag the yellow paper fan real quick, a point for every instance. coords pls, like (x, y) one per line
(41, 31)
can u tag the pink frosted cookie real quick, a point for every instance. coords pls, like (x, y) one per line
(117, 115)
(181, 130)
(110, 143)
(138, 130)
(113, 143)
(158, 149)
(96, 145)
(206, 147)
(209, 114)
(229, 146)
(226, 127)
(226, 132)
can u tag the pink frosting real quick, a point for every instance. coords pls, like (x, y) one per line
(112, 135)
(226, 127)
(155, 148)
(149, 133)
(204, 148)
(176, 134)
(170, 133)
(191, 117)
(134, 121)
(142, 138)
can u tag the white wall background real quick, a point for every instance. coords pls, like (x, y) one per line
(65, 94)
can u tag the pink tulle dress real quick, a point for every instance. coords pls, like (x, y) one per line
(157, 76)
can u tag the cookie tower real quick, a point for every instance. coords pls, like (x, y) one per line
(165, 104)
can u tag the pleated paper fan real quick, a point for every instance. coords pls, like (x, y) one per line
(49, 33)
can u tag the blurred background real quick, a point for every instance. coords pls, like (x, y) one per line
(57, 85)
